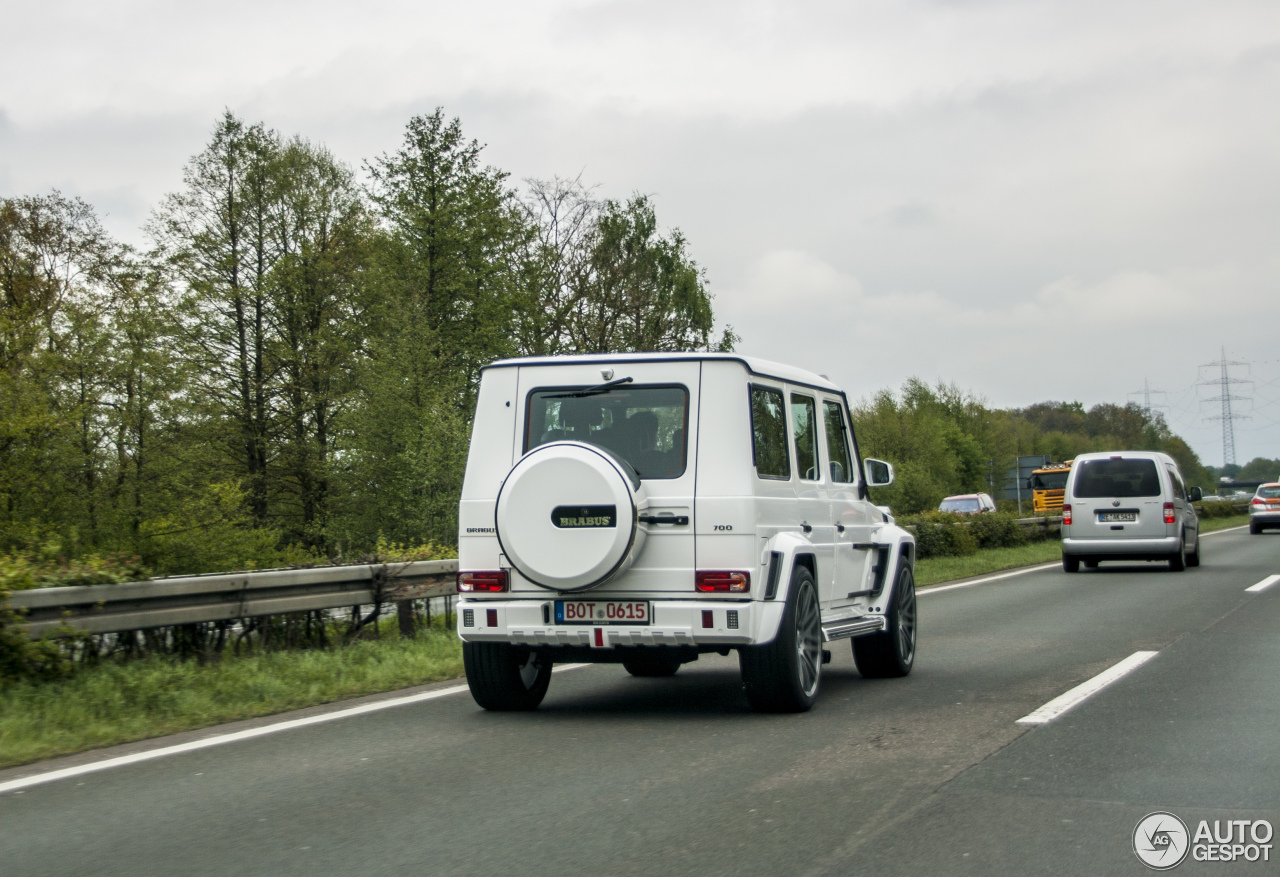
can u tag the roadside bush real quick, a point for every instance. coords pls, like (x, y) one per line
(940, 534)
(1221, 509)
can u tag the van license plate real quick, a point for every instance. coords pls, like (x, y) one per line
(602, 612)
(1116, 517)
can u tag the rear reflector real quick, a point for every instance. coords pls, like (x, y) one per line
(600, 637)
(487, 581)
(1168, 513)
(708, 618)
(491, 615)
(1066, 515)
(722, 581)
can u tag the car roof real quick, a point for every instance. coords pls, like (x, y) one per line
(961, 496)
(754, 364)
(1128, 455)
(1269, 484)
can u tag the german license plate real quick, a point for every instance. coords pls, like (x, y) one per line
(602, 612)
(1117, 517)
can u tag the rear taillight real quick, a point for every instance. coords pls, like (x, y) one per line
(722, 581)
(1066, 515)
(1168, 513)
(1257, 500)
(486, 582)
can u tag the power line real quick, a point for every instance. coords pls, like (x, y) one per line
(1146, 393)
(1225, 398)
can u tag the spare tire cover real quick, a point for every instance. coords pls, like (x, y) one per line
(567, 516)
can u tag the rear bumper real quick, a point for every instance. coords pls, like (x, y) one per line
(1268, 517)
(1137, 549)
(673, 623)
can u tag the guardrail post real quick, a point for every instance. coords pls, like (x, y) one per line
(404, 615)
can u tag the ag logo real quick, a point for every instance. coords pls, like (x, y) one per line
(1161, 841)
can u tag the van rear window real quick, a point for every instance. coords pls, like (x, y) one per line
(1116, 478)
(643, 425)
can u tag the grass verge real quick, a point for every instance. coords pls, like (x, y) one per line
(935, 570)
(119, 703)
(1208, 525)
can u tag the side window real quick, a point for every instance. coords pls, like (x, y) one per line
(1179, 489)
(769, 433)
(804, 426)
(837, 444)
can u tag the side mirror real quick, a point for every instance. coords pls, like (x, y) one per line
(1196, 494)
(879, 473)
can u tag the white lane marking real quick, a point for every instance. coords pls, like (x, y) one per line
(928, 589)
(1264, 584)
(235, 737)
(1224, 530)
(1064, 702)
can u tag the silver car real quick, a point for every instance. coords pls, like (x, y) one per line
(1264, 508)
(1129, 505)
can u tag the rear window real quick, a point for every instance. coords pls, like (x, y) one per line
(1269, 492)
(644, 425)
(1116, 478)
(960, 505)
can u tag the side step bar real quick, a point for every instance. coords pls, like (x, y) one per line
(847, 627)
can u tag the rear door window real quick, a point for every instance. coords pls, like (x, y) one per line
(804, 427)
(1117, 478)
(769, 433)
(644, 425)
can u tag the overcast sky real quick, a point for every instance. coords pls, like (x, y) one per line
(1034, 200)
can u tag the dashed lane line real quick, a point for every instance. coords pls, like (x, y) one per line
(1084, 690)
(237, 736)
(1264, 584)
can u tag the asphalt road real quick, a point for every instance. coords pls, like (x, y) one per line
(931, 774)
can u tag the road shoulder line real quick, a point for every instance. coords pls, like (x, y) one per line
(1085, 690)
(236, 736)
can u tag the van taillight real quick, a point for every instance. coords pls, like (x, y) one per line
(488, 581)
(1066, 515)
(1168, 513)
(722, 581)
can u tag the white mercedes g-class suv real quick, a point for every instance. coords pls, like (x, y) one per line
(644, 509)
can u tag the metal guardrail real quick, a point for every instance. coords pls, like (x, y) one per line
(228, 596)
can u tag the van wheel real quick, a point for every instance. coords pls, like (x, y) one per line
(1193, 559)
(1070, 564)
(1178, 560)
(652, 666)
(783, 676)
(506, 677)
(893, 653)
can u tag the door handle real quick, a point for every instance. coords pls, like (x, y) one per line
(663, 519)
(839, 528)
(808, 528)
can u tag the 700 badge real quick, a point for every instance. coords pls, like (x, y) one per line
(602, 612)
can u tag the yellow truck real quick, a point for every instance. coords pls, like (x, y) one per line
(1047, 485)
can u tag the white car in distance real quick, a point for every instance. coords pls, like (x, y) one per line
(644, 509)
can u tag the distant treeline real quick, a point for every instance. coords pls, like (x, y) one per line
(288, 372)
(943, 440)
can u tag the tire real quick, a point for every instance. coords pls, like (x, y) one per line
(1070, 564)
(1178, 560)
(1254, 529)
(892, 654)
(652, 665)
(783, 676)
(1091, 564)
(503, 677)
(1193, 559)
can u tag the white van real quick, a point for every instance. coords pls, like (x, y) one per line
(644, 509)
(1129, 505)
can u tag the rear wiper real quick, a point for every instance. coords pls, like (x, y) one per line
(592, 391)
